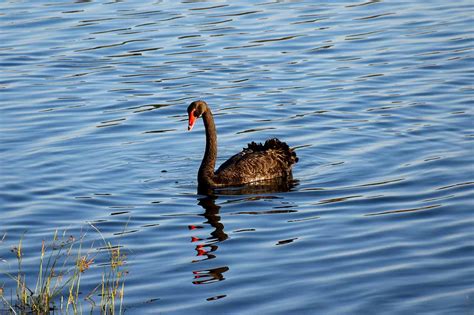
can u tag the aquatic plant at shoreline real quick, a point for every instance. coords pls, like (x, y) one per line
(62, 264)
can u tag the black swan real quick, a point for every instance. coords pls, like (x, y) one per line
(270, 161)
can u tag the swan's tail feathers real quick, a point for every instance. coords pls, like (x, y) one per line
(274, 144)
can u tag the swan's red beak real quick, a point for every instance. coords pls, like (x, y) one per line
(192, 120)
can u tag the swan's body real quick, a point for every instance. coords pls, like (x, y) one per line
(257, 162)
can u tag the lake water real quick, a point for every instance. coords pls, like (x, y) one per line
(376, 97)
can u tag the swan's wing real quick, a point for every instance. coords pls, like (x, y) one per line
(248, 167)
(258, 162)
(232, 161)
(241, 158)
(256, 153)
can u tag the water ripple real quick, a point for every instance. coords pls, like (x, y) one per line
(374, 97)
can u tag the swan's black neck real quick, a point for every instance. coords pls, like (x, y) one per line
(206, 176)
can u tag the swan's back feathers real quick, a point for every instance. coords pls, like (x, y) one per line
(257, 162)
(277, 145)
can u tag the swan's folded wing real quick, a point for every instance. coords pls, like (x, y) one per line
(258, 162)
(233, 160)
(249, 166)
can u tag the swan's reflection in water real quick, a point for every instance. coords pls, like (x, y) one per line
(210, 275)
(206, 248)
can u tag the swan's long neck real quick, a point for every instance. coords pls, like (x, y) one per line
(206, 170)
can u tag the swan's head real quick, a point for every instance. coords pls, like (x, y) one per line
(195, 110)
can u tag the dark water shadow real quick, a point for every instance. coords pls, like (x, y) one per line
(260, 187)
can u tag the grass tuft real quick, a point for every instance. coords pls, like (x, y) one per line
(62, 264)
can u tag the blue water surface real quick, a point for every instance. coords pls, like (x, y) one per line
(376, 97)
